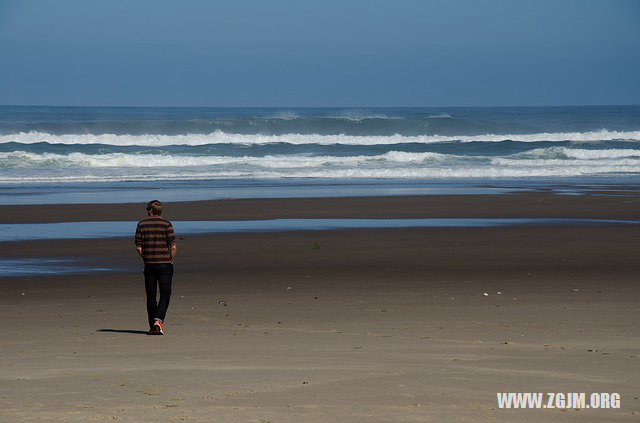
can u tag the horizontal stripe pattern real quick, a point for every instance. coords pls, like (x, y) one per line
(156, 236)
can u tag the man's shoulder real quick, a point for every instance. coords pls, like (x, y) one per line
(154, 220)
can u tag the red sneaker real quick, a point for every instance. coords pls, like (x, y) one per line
(159, 329)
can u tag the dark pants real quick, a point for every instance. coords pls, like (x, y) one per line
(157, 275)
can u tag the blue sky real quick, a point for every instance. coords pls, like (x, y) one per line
(320, 53)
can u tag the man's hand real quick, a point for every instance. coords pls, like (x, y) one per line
(139, 250)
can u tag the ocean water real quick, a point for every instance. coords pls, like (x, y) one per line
(83, 151)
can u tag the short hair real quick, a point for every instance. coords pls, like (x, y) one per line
(155, 207)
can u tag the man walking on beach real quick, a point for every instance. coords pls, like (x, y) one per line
(156, 244)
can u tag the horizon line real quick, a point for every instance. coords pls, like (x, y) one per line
(318, 107)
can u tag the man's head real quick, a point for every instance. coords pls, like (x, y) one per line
(154, 208)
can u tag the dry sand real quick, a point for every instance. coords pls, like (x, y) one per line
(372, 326)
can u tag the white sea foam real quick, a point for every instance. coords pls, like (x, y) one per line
(581, 153)
(23, 159)
(560, 163)
(220, 137)
(447, 172)
(27, 167)
(562, 156)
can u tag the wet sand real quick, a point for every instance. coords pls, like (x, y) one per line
(354, 325)
(602, 205)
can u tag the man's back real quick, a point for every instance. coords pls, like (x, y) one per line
(155, 235)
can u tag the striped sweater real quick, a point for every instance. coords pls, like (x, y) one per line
(155, 235)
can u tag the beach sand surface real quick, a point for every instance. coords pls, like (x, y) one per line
(370, 325)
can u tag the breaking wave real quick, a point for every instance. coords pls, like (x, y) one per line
(220, 137)
(25, 167)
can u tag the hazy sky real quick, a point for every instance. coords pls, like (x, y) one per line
(320, 53)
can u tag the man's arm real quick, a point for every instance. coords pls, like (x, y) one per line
(171, 241)
(138, 240)
(174, 250)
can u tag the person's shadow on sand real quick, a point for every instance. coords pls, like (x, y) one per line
(137, 332)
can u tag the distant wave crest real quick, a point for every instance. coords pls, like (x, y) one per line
(220, 137)
(23, 159)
